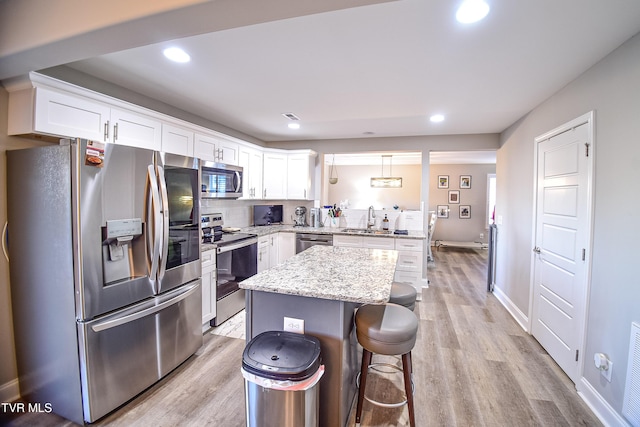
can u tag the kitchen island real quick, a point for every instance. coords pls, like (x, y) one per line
(323, 286)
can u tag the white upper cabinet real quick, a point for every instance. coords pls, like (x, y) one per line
(300, 170)
(177, 140)
(275, 175)
(136, 130)
(50, 112)
(229, 152)
(215, 148)
(58, 114)
(251, 161)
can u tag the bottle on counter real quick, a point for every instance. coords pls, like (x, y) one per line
(385, 223)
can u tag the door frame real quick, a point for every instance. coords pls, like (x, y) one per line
(589, 119)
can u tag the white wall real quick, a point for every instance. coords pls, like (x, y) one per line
(454, 228)
(354, 184)
(612, 89)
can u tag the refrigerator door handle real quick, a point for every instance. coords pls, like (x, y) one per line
(165, 222)
(108, 324)
(5, 239)
(153, 223)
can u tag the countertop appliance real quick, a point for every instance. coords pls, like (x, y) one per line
(316, 218)
(267, 214)
(236, 260)
(306, 240)
(221, 181)
(211, 225)
(105, 271)
(300, 218)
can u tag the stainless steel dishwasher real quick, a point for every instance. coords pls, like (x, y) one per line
(306, 240)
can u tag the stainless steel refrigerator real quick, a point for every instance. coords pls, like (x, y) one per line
(104, 256)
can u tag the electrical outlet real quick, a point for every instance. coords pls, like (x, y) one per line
(293, 325)
(482, 235)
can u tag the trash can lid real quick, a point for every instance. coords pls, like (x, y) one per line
(282, 355)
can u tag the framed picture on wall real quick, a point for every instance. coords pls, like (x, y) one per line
(443, 211)
(465, 181)
(465, 211)
(443, 181)
(454, 196)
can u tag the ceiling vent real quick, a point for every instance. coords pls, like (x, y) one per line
(291, 116)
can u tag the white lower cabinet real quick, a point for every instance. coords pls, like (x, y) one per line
(208, 259)
(347, 241)
(409, 265)
(286, 246)
(263, 253)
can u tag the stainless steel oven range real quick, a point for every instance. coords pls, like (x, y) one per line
(236, 260)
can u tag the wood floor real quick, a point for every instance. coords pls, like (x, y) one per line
(473, 366)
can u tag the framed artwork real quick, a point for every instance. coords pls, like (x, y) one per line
(454, 196)
(465, 211)
(465, 181)
(443, 181)
(443, 211)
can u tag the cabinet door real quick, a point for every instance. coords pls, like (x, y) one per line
(347, 241)
(70, 116)
(378, 242)
(273, 249)
(135, 130)
(205, 147)
(263, 253)
(177, 140)
(275, 176)
(410, 261)
(208, 260)
(286, 246)
(413, 245)
(228, 152)
(298, 177)
(251, 161)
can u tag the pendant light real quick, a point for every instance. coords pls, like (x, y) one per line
(386, 182)
(333, 172)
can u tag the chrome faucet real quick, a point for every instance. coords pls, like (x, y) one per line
(371, 218)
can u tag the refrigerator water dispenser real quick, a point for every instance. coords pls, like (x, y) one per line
(117, 248)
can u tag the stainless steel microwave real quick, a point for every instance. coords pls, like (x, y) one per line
(220, 180)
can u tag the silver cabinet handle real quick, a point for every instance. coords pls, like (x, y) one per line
(115, 132)
(106, 131)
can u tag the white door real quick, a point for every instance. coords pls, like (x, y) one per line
(562, 242)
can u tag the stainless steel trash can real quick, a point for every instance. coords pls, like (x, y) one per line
(281, 372)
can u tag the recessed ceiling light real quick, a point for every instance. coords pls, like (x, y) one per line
(176, 54)
(437, 118)
(294, 125)
(472, 11)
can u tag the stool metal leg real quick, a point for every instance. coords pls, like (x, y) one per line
(407, 369)
(366, 360)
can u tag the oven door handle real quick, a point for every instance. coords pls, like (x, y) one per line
(242, 244)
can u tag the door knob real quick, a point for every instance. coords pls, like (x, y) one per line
(536, 250)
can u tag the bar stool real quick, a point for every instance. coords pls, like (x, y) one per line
(403, 294)
(388, 329)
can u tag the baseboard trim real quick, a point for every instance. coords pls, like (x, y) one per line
(599, 406)
(10, 391)
(515, 312)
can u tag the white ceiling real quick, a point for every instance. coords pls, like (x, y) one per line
(381, 68)
(386, 159)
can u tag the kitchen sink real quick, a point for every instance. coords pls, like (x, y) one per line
(365, 231)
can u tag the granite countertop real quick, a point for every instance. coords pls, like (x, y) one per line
(263, 230)
(335, 273)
